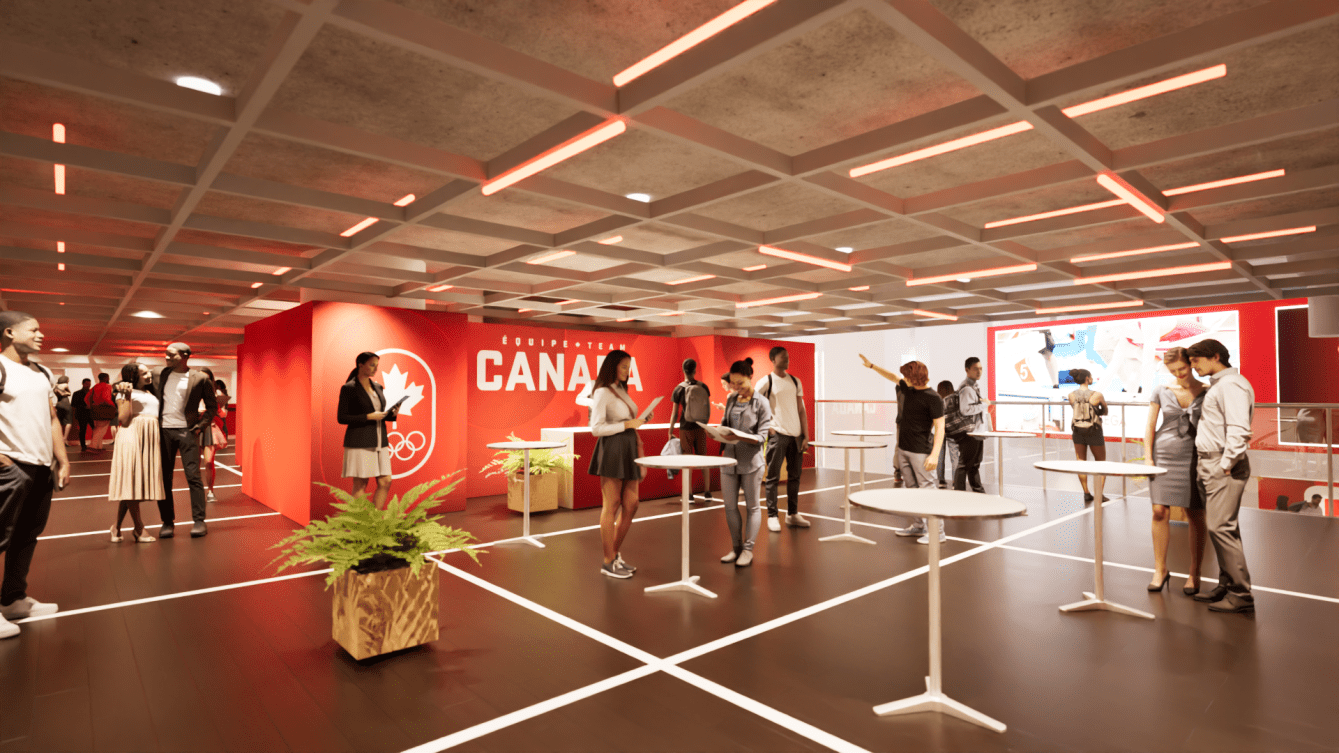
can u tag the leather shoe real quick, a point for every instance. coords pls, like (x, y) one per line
(1216, 595)
(199, 529)
(166, 531)
(1233, 605)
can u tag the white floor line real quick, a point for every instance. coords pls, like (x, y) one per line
(104, 496)
(103, 532)
(108, 459)
(225, 467)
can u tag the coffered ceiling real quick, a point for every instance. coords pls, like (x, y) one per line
(215, 210)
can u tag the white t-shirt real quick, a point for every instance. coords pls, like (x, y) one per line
(174, 399)
(785, 396)
(143, 403)
(25, 415)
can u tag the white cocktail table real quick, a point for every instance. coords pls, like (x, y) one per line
(685, 463)
(526, 447)
(999, 436)
(933, 504)
(865, 435)
(1097, 599)
(846, 447)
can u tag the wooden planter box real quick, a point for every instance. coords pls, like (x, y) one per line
(546, 491)
(386, 611)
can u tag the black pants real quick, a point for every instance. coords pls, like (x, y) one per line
(970, 452)
(85, 421)
(25, 503)
(783, 448)
(187, 443)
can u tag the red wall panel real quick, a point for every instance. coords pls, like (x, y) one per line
(274, 393)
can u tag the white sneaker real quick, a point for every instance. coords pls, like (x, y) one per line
(7, 629)
(926, 539)
(27, 607)
(209, 496)
(774, 524)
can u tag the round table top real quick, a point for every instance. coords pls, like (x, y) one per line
(943, 503)
(1099, 467)
(1003, 434)
(686, 461)
(861, 433)
(526, 445)
(851, 444)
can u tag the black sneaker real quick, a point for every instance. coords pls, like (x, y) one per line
(615, 570)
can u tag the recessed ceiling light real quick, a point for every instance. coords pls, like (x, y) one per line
(569, 148)
(859, 289)
(944, 148)
(698, 278)
(60, 350)
(1225, 182)
(568, 302)
(552, 257)
(1142, 274)
(282, 271)
(781, 299)
(610, 241)
(1144, 92)
(60, 247)
(625, 320)
(691, 39)
(369, 222)
(1270, 234)
(405, 200)
(782, 253)
(1118, 187)
(993, 272)
(60, 267)
(439, 288)
(148, 314)
(934, 315)
(522, 311)
(755, 268)
(200, 85)
(845, 249)
(1135, 252)
(964, 279)
(645, 198)
(1055, 213)
(255, 285)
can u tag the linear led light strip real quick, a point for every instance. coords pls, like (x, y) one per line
(754, 268)
(556, 255)
(1217, 266)
(1270, 234)
(1056, 213)
(781, 253)
(685, 280)
(782, 299)
(403, 201)
(565, 150)
(1118, 187)
(439, 288)
(691, 39)
(1143, 92)
(1089, 307)
(934, 315)
(1135, 252)
(58, 136)
(993, 272)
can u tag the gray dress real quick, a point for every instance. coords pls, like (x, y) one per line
(1174, 449)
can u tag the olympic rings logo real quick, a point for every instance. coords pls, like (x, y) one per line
(406, 442)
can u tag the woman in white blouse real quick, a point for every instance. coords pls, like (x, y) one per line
(614, 422)
(137, 464)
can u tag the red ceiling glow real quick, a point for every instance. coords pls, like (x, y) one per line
(1135, 252)
(859, 289)
(1089, 307)
(691, 39)
(1056, 213)
(782, 253)
(782, 299)
(551, 257)
(369, 222)
(1111, 184)
(405, 200)
(944, 148)
(1225, 182)
(281, 270)
(1217, 266)
(992, 272)
(934, 315)
(1144, 92)
(439, 288)
(699, 278)
(610, 241)
(1270, 234)
(569, 148)
(754, 268)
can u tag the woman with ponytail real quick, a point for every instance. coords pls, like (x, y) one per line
(751, 415)
(362, 408)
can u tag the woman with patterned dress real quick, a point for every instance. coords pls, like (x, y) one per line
(137, 462)
(1172, 446)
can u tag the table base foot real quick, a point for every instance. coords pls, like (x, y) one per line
(532, 541)
(690, 585)
(1093, 604)
(848, 537)
(705, 499)
(939, 703)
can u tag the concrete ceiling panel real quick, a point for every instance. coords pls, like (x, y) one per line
(91, 184)
(777, 207)
(1277, 205)
(450, 240)
(746, 258)
(583, 263)
(663, 239)
(1072, 194)
(77, 222)
(207, 238)
(846, 78)
(1014, 154)
(1076, 236)
(295, 164)
(1305, 152)
(950, 256)
(216, 204)
(877, 234)
(640, 162)
(529, 211)
(355, 81)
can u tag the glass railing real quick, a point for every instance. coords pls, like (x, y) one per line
(1291, 450)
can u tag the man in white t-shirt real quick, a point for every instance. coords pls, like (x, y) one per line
(787, 440)
(181, 391)
(32, 463)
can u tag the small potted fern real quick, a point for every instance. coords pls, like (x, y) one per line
(550, 477)
(385, 599)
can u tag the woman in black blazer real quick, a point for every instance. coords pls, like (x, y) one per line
(362, 408)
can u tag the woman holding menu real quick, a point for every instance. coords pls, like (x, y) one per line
(363, 410)
(614, 422)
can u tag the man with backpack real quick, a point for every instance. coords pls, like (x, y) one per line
(692, 408)
(787, 439)
(33, 464)
(964, 412)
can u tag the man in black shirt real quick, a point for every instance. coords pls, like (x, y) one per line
(920, 435)
(83, 418)
(692, 408)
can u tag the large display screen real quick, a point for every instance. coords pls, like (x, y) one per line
(1123, 355)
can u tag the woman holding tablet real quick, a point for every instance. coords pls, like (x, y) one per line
(614, 422)
(363, 410)
(752, 415)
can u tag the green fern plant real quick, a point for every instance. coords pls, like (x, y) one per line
(360, 534)
(511, 462)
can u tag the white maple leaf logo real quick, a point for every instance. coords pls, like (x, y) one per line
(397, 386)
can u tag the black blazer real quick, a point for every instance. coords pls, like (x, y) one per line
(354, 405)
(199, 389)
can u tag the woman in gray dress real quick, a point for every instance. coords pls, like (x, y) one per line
(1172, 446)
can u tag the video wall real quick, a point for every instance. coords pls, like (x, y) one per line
(1124, 356)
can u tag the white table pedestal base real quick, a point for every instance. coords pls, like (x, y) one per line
(532, 541)
(847, 535)
(937, 702)
(525, 526)
(686, 582)
(1095, 600)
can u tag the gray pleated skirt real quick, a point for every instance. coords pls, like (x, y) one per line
(615, 457)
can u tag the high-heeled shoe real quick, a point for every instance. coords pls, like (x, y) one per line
(1191, 590)
(140, 537)
(1161, 584)
(116, 535)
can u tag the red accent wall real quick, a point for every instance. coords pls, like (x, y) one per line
(274, 392)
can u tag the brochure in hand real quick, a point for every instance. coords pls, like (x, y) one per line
(646, 414)
(726, 435)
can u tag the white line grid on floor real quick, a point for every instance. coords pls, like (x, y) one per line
(670, 665)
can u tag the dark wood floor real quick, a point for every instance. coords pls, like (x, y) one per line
(253, 668)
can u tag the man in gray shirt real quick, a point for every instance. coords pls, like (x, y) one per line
(1222, 437)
